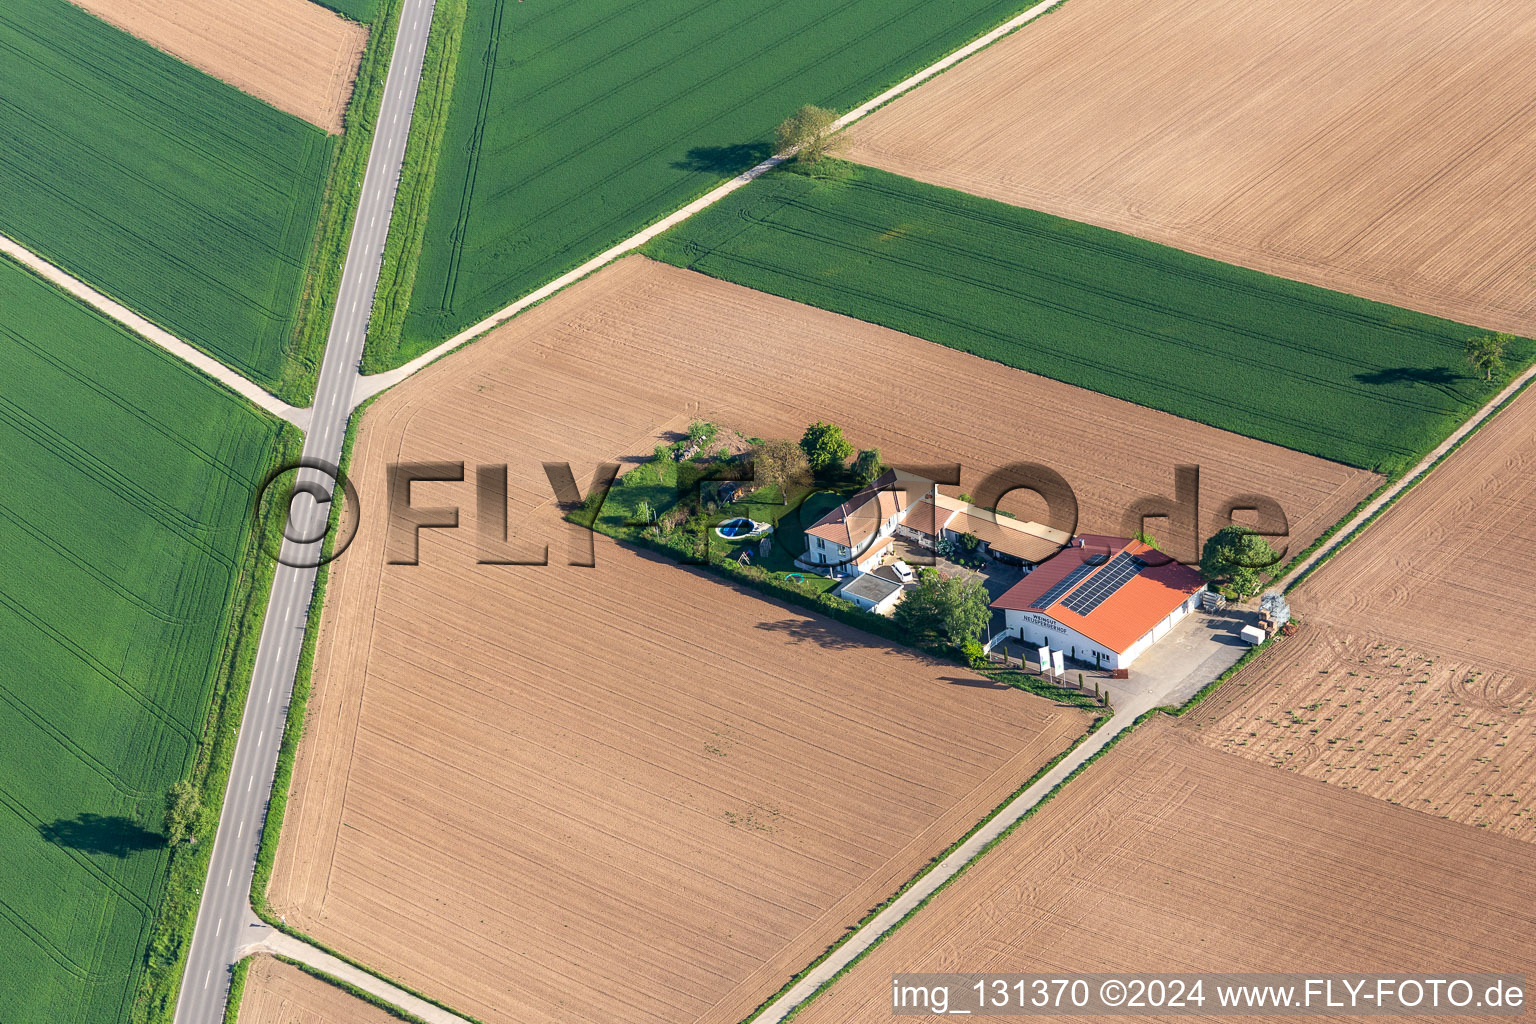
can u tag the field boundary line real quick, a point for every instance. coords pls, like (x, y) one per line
(283, 945)
(157, 335)
(1366, 515)
(372, 384)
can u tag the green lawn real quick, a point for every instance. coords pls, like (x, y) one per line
(183, 198)
(129, 482)
(654, 485)
(1337, 376)
(575, 124)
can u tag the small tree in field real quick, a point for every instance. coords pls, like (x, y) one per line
(1487, 353)
(825, 447)
(1237, 556)
(782, 463)
(182, 807)
(808, 131)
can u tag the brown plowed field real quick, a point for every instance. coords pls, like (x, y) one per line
(1169, 856)
(278, 993)
(1449, 566)
(1413, 681)
(1437, 734)
(294, 54)
(1386, 149)
(632, 791)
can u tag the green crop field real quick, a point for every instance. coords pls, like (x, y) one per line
(575, 124)
(1318, 371)
(129, 481)
(183, 198)
(358, 10)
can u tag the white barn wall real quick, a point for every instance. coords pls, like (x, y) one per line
(1038, 629)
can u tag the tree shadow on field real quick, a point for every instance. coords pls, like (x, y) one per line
(1437, 376)
(976, 682)
(114, 836)
(725, 159)
(820, 633)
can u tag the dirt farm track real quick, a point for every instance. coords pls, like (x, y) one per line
(631, 791)
(294, 54)
(1167, 855)
(278, 993)
(1385, 148)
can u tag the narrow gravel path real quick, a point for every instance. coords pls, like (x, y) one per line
(142, 327)
(867, 935)
(296, 949)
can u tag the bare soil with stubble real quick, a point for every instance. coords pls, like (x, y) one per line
(1413, 680)
(279, 993)
(633, 791)
(294, 54)
(1435, 733)
(1383, 149)
(1169, 856)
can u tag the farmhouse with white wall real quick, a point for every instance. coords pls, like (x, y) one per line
(856, 535)
(1103, 600)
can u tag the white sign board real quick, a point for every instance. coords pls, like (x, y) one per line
(1045, 659)
(1058, 662)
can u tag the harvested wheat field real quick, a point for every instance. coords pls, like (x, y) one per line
(294, 54)
(1386, 149)
(1169, 856)
(632, 791)
(279, 993)
(1437, 734)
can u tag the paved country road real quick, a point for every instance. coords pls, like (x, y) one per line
(225, 921)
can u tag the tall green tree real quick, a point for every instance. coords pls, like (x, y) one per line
(808, 131)
(1238, 557)
(1487, 353)
(825, 447)
(952, 609)
(782, 463)
(182, 807)
(867, 467)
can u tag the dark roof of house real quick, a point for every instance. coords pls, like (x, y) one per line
(871, 586)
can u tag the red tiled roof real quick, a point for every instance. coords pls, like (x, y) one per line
(927, 518)
(1004, 534)
(854, 521)
(1126, 615)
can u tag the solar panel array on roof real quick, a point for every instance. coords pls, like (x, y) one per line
(1067, 582)
(1124, 568)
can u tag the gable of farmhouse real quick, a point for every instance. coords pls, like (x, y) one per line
(853, 523)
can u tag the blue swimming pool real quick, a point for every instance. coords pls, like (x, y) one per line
(734, 528)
